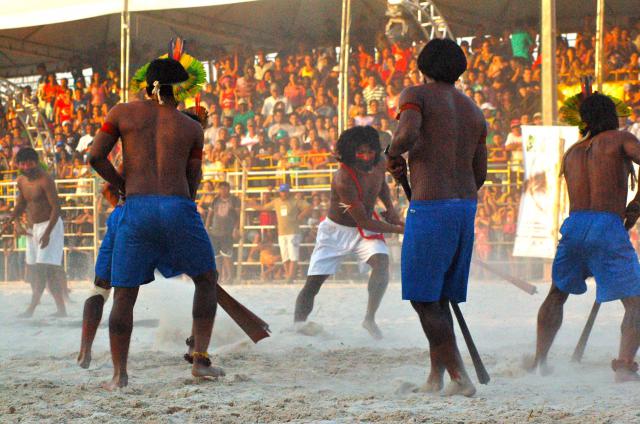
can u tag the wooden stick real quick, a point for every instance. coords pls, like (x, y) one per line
(250, 323)
(586, 332)
(481, 371)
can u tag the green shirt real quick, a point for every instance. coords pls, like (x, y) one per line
(521, 41)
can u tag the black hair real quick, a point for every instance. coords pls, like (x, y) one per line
(354, 137)
(26, 154)
(598, 112)
(442, 60)
(166, 72)
(224, 184)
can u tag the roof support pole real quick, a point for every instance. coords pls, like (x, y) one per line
(343, 83)
(125, 44)
(600, 45)
(548, 51)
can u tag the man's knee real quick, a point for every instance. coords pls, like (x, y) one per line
(557, 296)
(313, 284)
(379, 264)
(101, 287)
(206, 280)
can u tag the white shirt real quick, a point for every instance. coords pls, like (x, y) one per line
(515, 139)
(270, 102)
(84, 143)
(248, 141)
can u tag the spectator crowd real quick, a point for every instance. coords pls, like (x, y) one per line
(279, 111)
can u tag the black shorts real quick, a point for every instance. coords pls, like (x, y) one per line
(222, 246)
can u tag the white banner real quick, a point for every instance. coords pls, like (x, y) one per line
(541, 204)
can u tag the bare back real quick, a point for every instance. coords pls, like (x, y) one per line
(452, 129)
(157, 141)
(597, 172)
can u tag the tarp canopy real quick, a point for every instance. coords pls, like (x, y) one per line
(95, 41)
(73, 34)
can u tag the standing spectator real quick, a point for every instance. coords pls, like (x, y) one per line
(85, 141)
(246, 84)
(514, 141)
(262, 65)
(227, 97)
(290, 213)
(522, 43)
(294, 91)
(222, 221)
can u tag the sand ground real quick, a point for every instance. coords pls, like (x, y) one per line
(340, 375)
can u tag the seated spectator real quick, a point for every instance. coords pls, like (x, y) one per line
(375, 114)
(251, 136)
(275, 97)
(279, 124)
(244, 114)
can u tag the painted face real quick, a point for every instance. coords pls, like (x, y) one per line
(28, 168)
(365, 156)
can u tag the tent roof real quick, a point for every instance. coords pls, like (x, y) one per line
(87, 32)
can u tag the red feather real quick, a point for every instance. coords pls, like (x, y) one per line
(176, 48)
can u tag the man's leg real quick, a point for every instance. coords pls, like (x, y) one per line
(304, 302)
(436, 321)
(378, 282)
(36, 276)
(205, 302)
(226, 268)
(55, 279)
(625, 367)
(91, 317)
(549, 322)
(120, 327)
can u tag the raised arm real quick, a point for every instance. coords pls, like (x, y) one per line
(103, 143)
(480, 159)
(350, 201)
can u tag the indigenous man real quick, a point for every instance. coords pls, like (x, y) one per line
(444, 133)
(594, 240)
(93, 306)
(38, 196)
(352, 225)
(159, 226)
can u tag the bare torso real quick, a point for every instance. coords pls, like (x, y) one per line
(34, 192)
(156, 142)
(441, 160)
(371, 183)
(596, 171)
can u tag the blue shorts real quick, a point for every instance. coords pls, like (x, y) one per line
(159, 232)
(103, 261)
(596, 244)
(437, 248)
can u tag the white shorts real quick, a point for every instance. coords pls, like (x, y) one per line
(290, 247)
(335, 242)
(50, 255)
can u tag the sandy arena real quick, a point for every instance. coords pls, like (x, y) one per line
(340, 375)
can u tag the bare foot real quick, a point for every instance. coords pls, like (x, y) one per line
(59, 314)
(200, 370)
(116, 382)
(625, 375)
(84, 359)
(434, 383)
(372, 328)
(26, 314)
(308, 328)
(545, 369)
(463, 386)
(529, 363)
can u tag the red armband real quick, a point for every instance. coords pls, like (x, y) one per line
(195, 153)
(406, 106)
(110, 129)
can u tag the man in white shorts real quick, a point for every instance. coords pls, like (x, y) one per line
(38, 196)
(352, 226)
(290, 212)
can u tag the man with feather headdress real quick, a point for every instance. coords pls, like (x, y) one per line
(159, 226)
(594, 236)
